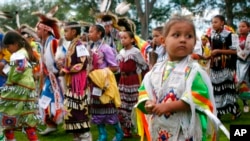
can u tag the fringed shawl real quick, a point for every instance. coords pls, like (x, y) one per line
(197, 99)
(105, 80)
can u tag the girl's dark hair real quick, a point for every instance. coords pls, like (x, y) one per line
(246, 22)
(75, 26)
(100, 28)
(177, 19)
(13, 37)
(132, 36)
(222, 18)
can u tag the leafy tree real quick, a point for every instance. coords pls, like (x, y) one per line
(24, 10)
(233, 10)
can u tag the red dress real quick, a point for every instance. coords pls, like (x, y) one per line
(131, 65)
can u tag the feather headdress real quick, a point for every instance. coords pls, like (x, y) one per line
(49, 24)
(107, 19)
(28, 31)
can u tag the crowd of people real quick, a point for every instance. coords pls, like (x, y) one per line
(75, 75)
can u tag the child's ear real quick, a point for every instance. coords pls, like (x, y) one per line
(162, 40)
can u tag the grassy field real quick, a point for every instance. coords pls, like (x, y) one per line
(60, 135)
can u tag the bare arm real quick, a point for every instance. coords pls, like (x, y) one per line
(166, 108)
(223, 51)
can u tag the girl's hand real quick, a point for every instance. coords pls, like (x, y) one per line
(160, 109)
(149, 105)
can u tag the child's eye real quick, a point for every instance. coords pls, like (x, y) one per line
(176, 35)
(189, 36)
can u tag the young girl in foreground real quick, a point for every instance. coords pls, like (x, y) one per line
(18, 103)
(174, 88)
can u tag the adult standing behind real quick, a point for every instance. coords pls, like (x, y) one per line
(223, 67)
(51, 100)
(76, 120)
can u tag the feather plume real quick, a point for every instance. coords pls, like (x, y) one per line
(5, 15)
(119, 6)
(52, 11)
(9, 28)
(17, 20)
(24, 28)
(105, 5)
(39, 14)
(122, 8)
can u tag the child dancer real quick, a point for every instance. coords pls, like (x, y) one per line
(243, 63)
(18, 97)
(223, 67)
(174, 88)
(76, 120)
(132, 64)
(104, 111)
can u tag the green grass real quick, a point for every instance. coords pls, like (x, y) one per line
(60, 135)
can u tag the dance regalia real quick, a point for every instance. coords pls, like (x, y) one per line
(170, 81)
(18, 97)
(132, 65)
(222, 72)
(51, 91)
(102, 57)
(75, 100)
(243, 66)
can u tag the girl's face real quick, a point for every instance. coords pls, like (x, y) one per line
(12, 47)
(217, 24)
(204, 41)
(243, 29)
(180, 41)
(69, 34)
(157, 38)
(108, 28)
(126, 40)
(94, 35)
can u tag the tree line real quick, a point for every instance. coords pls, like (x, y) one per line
(145, 13)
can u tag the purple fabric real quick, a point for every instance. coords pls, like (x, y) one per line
(105, 119)
(107, 57)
